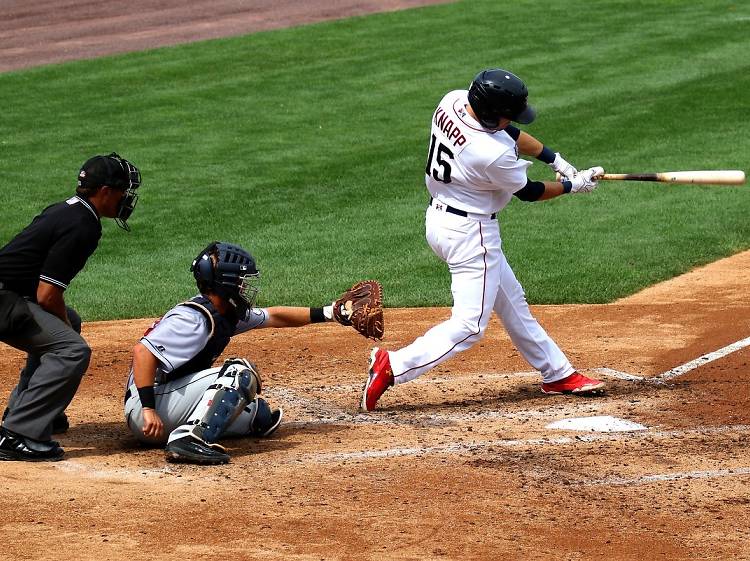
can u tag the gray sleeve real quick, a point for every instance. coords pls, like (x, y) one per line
(179, 336)
(256, 317)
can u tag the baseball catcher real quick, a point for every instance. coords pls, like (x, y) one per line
(175, 395)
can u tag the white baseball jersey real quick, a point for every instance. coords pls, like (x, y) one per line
(467, 167)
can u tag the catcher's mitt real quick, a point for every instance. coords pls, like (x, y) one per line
(362, 307)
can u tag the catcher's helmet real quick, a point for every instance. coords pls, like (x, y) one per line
(497, 93)
(229, 271)
(113, 171)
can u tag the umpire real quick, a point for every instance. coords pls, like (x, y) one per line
(35, 269)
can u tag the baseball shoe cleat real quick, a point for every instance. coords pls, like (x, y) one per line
(191, 450)
(576, 383)
(379, 378)
(15, 447)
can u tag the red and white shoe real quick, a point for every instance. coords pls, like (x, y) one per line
(379, 379)
(576, 383)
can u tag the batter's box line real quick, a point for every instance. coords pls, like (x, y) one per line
(678, 371)
(426, 380)
(702, 360)
(462, 448)
(659, 477)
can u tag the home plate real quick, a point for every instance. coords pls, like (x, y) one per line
(603, 423)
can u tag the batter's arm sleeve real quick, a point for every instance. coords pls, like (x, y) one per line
(540, 191)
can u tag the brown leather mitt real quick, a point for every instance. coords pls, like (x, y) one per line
(362, 307)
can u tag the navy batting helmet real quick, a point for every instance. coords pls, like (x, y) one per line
(497, 93)
(229, 271)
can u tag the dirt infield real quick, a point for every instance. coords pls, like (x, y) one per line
(459, 464)
(50, 31)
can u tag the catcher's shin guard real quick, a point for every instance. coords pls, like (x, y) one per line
(236, 385)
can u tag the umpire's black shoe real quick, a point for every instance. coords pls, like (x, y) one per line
(15, 447)
(60, 424)
(191, 450)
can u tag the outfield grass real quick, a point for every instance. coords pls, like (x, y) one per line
(307, 146)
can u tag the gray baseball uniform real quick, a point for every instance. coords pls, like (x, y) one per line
(175, 340)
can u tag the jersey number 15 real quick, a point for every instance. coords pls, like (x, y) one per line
(442, 151)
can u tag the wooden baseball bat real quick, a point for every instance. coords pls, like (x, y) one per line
(702, 177)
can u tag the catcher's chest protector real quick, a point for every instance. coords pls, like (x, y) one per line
(222, 330)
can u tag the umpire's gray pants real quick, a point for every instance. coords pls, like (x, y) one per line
(58, 359)
(176, 401)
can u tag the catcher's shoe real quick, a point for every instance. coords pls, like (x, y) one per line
(191, 450)
(379, 378)
(273, 424)
(576, 383)
(21, 448)
(266, 421)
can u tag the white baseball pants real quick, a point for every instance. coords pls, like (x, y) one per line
(481, 281)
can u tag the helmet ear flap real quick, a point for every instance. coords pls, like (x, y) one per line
(205, 268)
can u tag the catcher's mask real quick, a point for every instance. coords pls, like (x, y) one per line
(229, 271)
(497, 93)
(113, 171)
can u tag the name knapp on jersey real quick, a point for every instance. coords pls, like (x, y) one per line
(448, 127)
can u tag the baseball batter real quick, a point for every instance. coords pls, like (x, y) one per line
(173, 393)
(473, 169)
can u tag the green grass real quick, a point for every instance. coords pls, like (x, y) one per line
(307, 145)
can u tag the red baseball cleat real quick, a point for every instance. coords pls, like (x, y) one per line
(575, 383)
(379, 379)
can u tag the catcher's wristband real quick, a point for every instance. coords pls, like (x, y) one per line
(148, 399)
(567, 186)
(319, 315)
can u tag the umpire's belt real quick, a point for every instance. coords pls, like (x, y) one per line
(438, 205)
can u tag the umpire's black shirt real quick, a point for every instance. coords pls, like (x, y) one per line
(53, 248)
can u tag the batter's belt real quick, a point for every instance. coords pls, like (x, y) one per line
(453, 210)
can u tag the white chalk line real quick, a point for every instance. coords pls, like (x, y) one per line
(705, 359)
(459, 448)
(440, 419)
(659, 477)
(72, 466)
(617, 374)
(427, 380)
